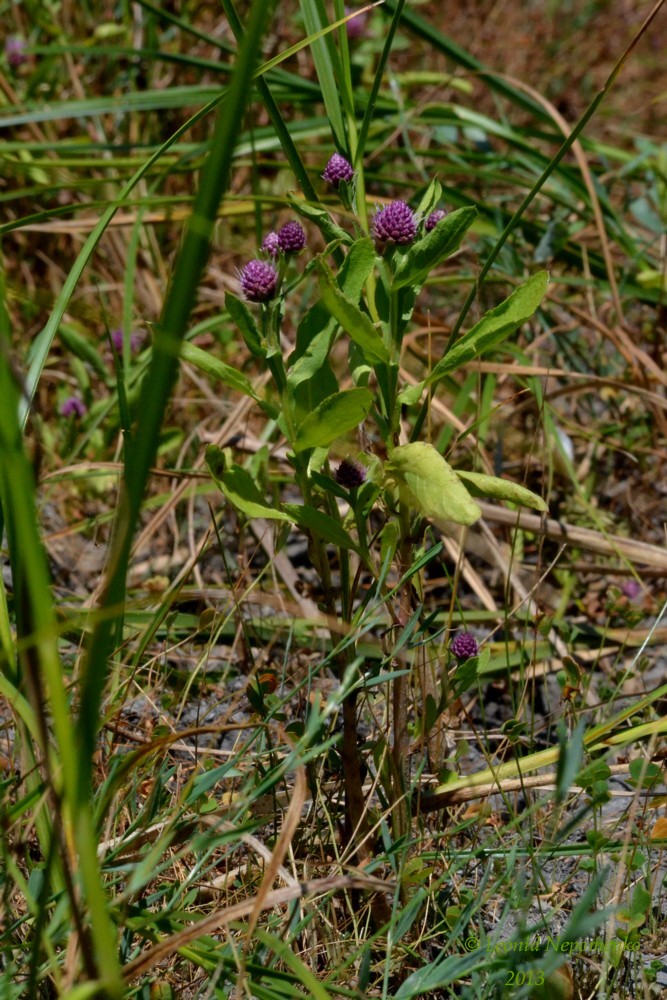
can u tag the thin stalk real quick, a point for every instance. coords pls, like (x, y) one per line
(356, 157)
(357, 823)
(400, 687)
(393, 411)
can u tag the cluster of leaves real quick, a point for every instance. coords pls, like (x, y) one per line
(314, 410)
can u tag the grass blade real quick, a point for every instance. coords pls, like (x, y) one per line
(327, 64)
(162, 373)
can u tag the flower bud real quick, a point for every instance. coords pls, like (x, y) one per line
(291, 238)
(434, 218)
(350, 474)
(394, 224)
(356, 28)
(117, 341)
(15, 51)
(258, 281)
(338, 169)
(271, 244)
(464, 645)
(73, 407)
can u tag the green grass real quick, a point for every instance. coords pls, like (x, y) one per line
(235, 763)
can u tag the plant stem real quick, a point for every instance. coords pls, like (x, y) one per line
(354, 796)
(400, 686)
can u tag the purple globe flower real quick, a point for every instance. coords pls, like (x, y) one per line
(464, 645)
(631, 589)
(271, 244)
(15, 51)
(394, 224)
(350, 474)
(356, 28)
(117, 340)
(338, 169)
(434, 218)
(258, 281)
(73, 407)
(291, 238)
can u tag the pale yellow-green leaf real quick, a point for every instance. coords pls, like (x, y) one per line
(430, 484)
(481, 485)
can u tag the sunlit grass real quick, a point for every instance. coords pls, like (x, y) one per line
(182, 697)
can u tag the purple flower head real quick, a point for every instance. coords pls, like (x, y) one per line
(338, 169)
(464, 645)
(73, 407)
(350, 474)
(291, 238)
(356, 28)
(258, 281)
(631, 589)
(434, 218)
(15, 51)
(117, 340)
(271, 244)
(394, 224)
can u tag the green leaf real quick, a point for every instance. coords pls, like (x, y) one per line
(431, 484)
(430, 198)
(218, 459)
(309, 362)
(83, 348)
(355, 322)
(356, 268)
(327, 484)
(320, 524)
(411, 394)
(312, 379)
(641, 902)
(216, 368)
(244, 319)
(481, 485)
(384, 678)
(389, 539)
(239, 488)
(597, 770)
(334, 416)
(569, 758)
(434, 976)
(465, 676)
(644, 774)
(358, 366)
(352, 277)
(315, 321)
(433, 248)
(494, 327)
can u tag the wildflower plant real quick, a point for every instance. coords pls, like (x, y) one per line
(97, 837)
(367, 300)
